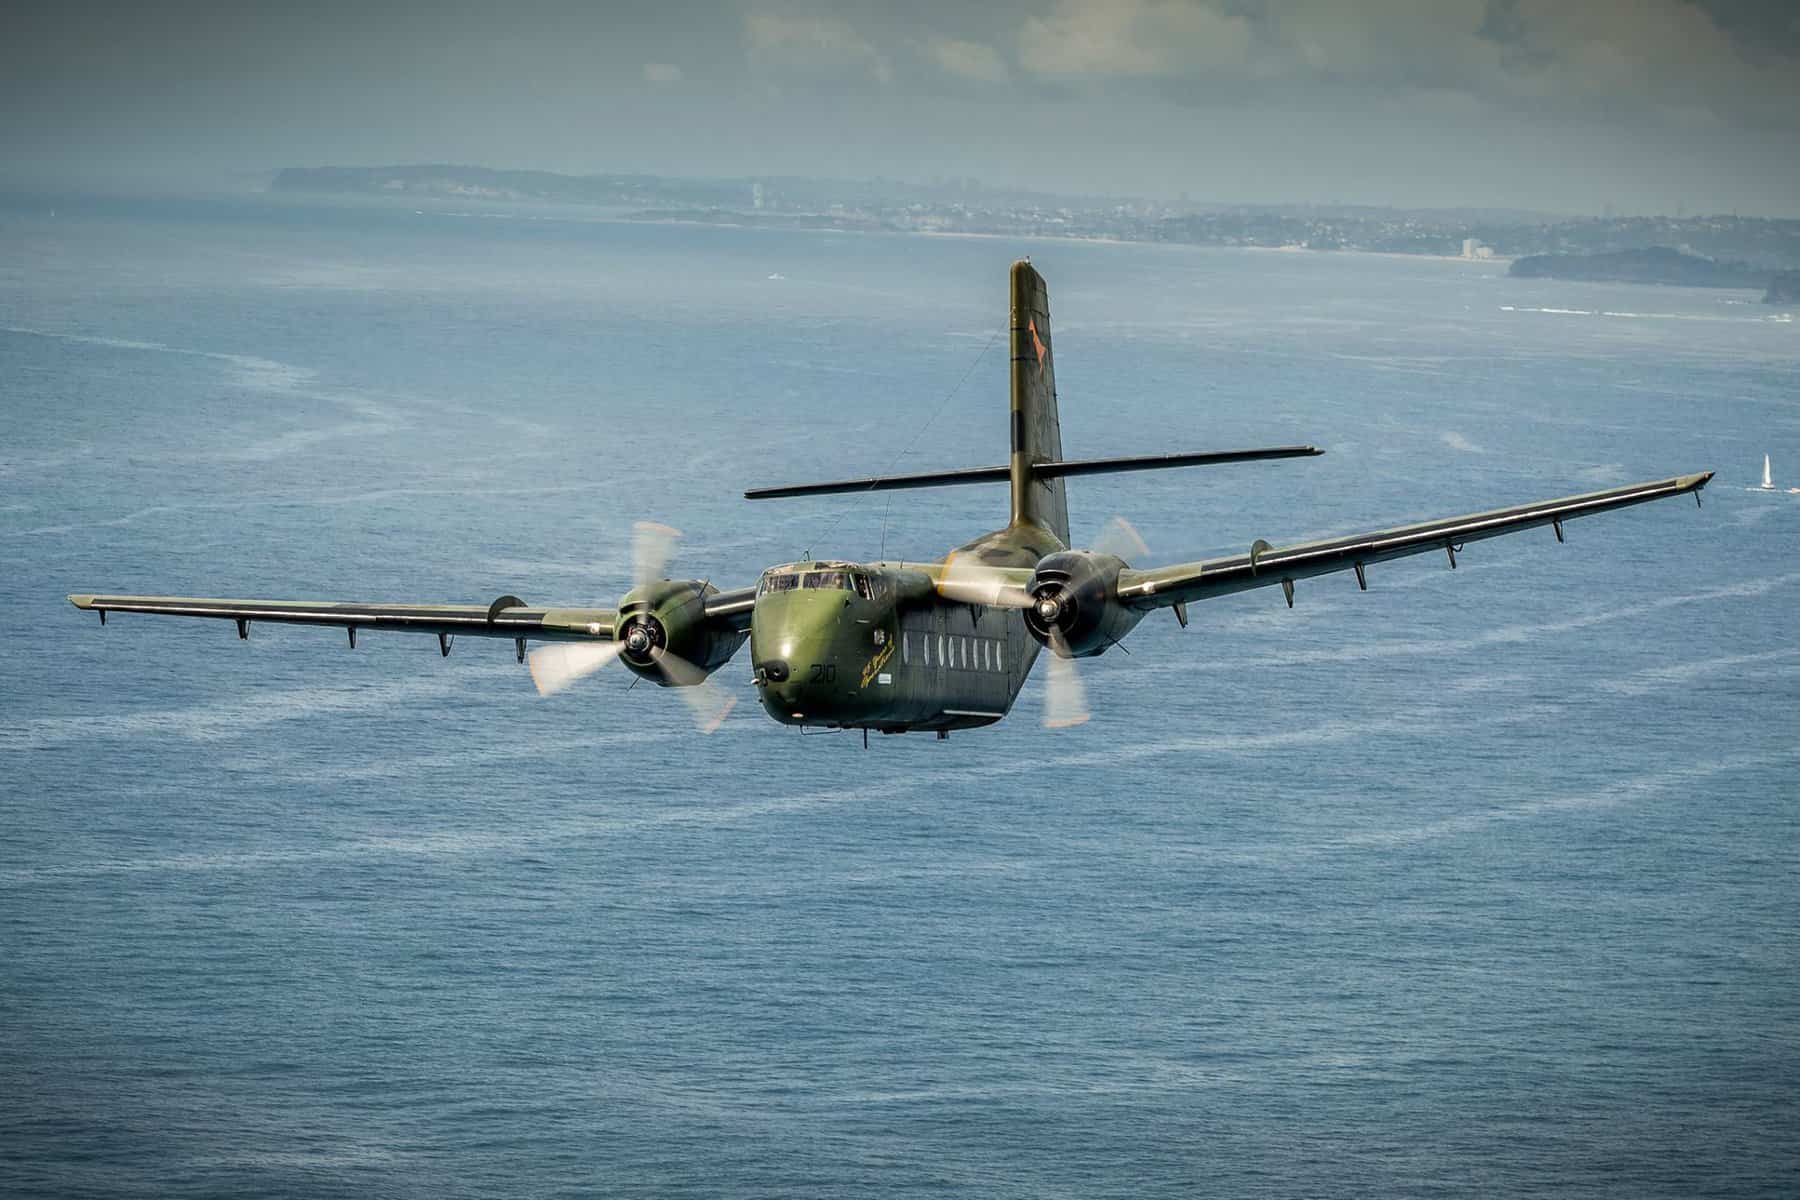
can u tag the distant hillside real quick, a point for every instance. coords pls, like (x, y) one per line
(1654, 264)
(964, 206)
(483, 183)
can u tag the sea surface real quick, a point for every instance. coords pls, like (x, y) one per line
(1486, 881)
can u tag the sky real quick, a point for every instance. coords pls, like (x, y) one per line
(1574, 106)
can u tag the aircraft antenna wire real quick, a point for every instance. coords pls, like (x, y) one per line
(908, 448)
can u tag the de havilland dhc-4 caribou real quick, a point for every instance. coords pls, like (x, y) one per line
(900, 646)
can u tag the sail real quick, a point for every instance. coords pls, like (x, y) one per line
(1768, 481)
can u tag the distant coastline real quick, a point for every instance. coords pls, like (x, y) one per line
(964, 208)
(1654, 264)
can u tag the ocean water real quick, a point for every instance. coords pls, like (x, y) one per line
(1483, 881)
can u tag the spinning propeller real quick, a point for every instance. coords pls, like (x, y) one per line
(1060, 602)
(640, 637)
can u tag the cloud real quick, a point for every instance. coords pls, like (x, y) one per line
(1668, 55)
(1406, 42)
(808, 44)
(1130, 38)
(1556, 104)
(969, 60)
(1671, 60)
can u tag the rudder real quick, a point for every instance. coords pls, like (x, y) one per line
(1036, 428)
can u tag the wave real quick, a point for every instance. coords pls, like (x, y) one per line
(1623, 792)
(1778, 318)
(373, 496)
(256, 374)
(227, 719)
(1654, 679)
(1449, 647)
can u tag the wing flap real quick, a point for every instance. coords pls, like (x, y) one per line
(1265, 565)
(499, 620)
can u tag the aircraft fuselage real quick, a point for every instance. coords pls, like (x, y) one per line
(875, 646)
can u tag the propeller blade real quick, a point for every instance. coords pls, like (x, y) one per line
(1120, 540)
(556, 666)
(1065, 701)
(709, 703)
(973, 582)
(652, 545)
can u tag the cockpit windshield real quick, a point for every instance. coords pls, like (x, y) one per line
(786, 580)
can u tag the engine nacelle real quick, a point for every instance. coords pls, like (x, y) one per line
(663, 634)
(1075, 609)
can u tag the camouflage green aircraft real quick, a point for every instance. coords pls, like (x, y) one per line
(901, 646)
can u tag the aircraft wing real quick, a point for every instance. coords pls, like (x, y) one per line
(507, 617)
(1265, 565)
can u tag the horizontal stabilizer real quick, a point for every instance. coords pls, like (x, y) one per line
(1048, 470)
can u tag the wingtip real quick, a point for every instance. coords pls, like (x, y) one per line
(82, 601)
(1693, 483)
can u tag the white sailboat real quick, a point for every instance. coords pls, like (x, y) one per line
(1767, 482)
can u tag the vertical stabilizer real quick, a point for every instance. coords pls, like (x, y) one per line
(1036, 430)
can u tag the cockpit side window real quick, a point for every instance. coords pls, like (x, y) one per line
(862, 586)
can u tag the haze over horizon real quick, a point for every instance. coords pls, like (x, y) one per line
(1638, 106)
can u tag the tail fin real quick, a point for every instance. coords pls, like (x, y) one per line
(1036, 429)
